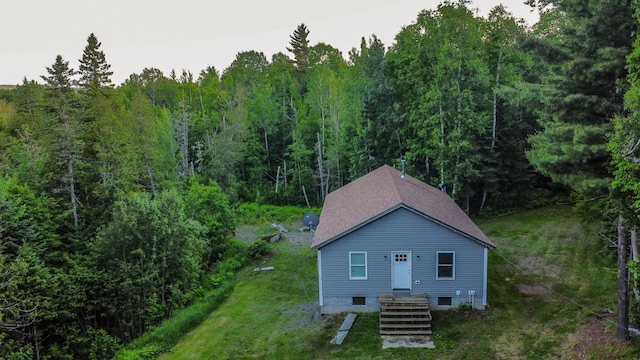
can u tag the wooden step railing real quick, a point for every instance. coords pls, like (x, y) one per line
(404, 315)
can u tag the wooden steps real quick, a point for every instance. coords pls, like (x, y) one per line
(404, 315)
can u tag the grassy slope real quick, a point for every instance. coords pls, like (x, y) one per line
(543, 250)
(260, 317)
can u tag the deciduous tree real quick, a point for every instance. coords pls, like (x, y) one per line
(443, 83)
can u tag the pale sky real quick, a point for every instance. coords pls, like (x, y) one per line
(193, 34)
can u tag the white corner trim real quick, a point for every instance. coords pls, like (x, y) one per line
(484, 277)
(320, 298)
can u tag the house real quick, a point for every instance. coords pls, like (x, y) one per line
(387, 232)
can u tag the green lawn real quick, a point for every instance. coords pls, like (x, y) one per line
(547, 276)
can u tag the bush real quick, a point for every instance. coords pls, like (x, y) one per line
(259, 249)
(209, 205)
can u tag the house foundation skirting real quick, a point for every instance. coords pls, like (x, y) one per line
(338, 304)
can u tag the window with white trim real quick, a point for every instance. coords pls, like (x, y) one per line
(358, 265)
(445, 262)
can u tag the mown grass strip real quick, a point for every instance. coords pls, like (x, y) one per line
(171, 331)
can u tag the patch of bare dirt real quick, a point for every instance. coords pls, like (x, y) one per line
(247, 233)
(302, 316)
(597, 333)
(533, 289)
(538, 265)
(294, 234)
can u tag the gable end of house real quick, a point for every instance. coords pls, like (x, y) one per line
(402, 206)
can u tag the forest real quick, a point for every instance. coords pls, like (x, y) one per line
(118, 201)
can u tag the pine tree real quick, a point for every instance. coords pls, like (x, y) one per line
(300, 47)
(625, 148)
(592, 44)
(65, 129)
(94, 69)
(60, 77)
(372, 123)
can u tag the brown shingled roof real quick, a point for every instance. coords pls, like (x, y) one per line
(382, 191)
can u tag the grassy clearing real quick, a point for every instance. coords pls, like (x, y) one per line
(545, 279)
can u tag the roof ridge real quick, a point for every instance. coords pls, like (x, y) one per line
(394, 185)
(365, 198)
(409, 180)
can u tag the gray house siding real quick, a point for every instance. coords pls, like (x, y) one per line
(401, 230)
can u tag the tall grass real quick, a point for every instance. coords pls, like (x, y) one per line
(160, 339)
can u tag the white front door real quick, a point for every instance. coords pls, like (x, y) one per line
(401, 270)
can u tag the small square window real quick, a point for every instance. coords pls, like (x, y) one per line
(401, 257)
(359, 300)
(445, 301)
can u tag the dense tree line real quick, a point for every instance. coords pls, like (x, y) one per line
(115, 201)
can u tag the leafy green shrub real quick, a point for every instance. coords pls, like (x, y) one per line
(102, 345)
(225, 271)
(231, 248)
(209, 205)
(149, 351)
(466, 306)
(164, 256)
(258, 250)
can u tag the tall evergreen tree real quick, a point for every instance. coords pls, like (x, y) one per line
(593, 40)
(110, 167)
(372, 124)
(587, 93)
(28, 96)
(60, 78)
(29, 284)
(66, 129)
(625, 148)
(300, 47)
(94, 69)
